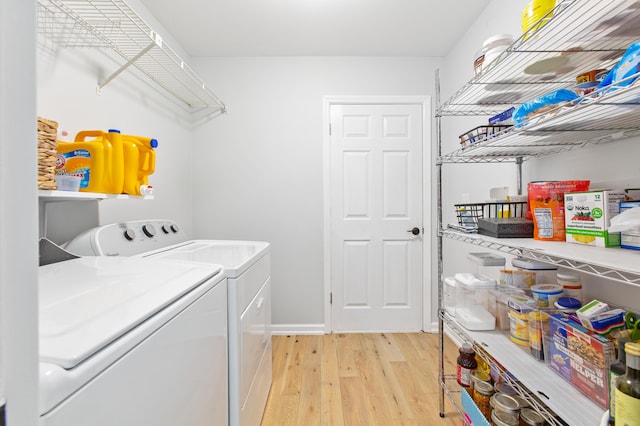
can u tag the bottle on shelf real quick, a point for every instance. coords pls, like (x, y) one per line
(627, 392)
(466, 363)
(617, 369)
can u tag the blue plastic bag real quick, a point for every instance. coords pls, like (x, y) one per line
(521, 115)
(626, 67)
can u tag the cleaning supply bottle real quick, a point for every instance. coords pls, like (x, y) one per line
(139, 163)
(106, 175)
(86, 159)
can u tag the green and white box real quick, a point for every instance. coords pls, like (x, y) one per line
(587, 216)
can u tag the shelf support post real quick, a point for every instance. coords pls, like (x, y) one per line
(156, 41)
(519, 174)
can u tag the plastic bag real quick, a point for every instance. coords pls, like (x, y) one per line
(625, 221)
(626, 67)
(538, 106)
(546, 203)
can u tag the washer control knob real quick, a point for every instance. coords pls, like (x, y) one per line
(148, 231)
(174, 228)
(165, 229)
(129, 235)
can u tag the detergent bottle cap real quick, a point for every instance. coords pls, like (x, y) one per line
(153, 143)
(146, 190)
(113, 131)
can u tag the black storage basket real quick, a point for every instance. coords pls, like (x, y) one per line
(469, 213)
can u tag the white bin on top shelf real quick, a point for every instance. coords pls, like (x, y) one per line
(472, 301)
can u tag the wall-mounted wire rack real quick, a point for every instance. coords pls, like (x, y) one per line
(113, 25)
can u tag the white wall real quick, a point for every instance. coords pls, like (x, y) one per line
(18, 214)
(67, 80)
(259, 169)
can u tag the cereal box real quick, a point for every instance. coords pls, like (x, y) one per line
(588, 217)
(580, 357)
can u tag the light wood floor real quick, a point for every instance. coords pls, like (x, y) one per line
(358, 379)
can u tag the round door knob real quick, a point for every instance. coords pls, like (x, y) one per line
(414, 231)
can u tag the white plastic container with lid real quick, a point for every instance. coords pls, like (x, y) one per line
(545, 272)
(449, 295)
(472, 301)
(571, 284)
(488, 264)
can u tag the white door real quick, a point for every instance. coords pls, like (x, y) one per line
(376, 217)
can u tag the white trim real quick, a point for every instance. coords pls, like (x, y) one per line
(297, 329)
(425, 102)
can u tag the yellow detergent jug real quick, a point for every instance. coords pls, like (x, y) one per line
(139, 163)
(96, 156)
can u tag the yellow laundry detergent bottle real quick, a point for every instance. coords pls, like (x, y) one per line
(139, 163)
(95, 156)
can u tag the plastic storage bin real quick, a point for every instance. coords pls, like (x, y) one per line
(473, 301)
(449, 295)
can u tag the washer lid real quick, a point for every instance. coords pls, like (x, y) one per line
(234, 256)
(87, 303)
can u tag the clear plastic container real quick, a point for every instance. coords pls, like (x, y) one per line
(545, 272)
(449, 295)
(473, 301)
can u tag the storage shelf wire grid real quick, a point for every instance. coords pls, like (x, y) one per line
(115, 26)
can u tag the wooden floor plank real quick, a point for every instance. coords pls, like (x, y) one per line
(309, 408)
(353, 403)
(330, 395)
(292, 382)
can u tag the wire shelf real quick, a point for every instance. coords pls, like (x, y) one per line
(113, 25)
(581, 35)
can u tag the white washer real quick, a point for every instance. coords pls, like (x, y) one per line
(132, 342)
(247, 267)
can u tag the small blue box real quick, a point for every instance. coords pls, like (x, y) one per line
(505, 117)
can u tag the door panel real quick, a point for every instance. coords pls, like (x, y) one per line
(376, 196)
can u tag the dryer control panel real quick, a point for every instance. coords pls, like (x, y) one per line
(127, 238)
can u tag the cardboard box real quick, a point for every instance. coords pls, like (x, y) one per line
(581, 357)
(588, 216)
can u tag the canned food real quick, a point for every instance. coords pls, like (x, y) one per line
(589, 76)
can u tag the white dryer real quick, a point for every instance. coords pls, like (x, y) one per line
(247, 267)
(132, 342)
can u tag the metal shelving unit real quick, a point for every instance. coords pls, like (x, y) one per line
(114, 26)
(578, 35)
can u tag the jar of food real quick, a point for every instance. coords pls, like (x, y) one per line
(481, 396)
(502, 387)
(506, 404)
(529, 417)
(478, 375)
(466, 363)
(502, 419)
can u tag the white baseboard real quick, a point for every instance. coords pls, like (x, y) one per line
(298, 329)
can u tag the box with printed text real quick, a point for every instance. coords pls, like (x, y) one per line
(588, 217)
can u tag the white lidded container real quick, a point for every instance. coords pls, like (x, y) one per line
(449, 295)
(472, 301)
(545, 272)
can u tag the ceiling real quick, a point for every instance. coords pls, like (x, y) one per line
(316, 27)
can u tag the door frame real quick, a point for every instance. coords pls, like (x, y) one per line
(427, 237)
